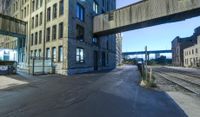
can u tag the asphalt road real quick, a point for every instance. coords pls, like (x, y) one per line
(106, 94)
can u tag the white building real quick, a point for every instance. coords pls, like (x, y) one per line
(192, 55)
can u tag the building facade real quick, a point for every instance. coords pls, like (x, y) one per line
(192, 55)
(62, 31)
(178, 46)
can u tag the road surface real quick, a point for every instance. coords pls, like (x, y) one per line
(113, 93)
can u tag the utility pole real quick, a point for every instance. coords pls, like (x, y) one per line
(146, 61)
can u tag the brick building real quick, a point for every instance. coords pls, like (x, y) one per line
(178, 46)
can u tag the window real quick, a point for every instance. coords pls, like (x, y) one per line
(33, 5)
(61, 8)
(36, 38)
(60, 52)
(22, 13)
(196, 51)
(32, 38)
(36, 21)
(16, 5)
(37, 4)
(103, 3)
(41, 18)
(40, 37)
(54, 10)
(49, 14)
(94, 40)
(80, 12)
(25, 12)
(80, 55)
(61, 30)
(39, 54)
(95, 7)
(47, 53)
(41, 2)
(103, 59)
(54, 31)
(54, 54)
(110, 16)
(48, 34)
(35, 53)
(32, 22)
(79, 33)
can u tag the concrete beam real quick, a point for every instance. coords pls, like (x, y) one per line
(12, 27)
(144, 14)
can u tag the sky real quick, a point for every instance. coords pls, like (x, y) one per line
(156, 37)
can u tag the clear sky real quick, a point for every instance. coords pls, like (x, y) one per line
(156, 37)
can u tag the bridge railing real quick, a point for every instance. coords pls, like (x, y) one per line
(12, 26)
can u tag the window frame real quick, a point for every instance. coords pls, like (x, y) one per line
(80, 58)
(80, 12)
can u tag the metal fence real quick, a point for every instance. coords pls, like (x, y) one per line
(40, 66)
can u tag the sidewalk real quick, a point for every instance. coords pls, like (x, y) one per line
(9, 82)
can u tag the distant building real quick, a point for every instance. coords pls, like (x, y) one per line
(178, 46)
(192, 55)
(157, 55)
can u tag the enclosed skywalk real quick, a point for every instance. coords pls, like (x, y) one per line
(143, 14)
(12, 27)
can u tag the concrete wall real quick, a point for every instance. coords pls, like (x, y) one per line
(118, 49)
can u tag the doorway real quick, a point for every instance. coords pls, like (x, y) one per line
(95, 60)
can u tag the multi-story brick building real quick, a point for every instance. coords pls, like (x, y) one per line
(178, 46)
(62, 30)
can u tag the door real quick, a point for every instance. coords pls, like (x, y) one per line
(103, 59)
(95, 60)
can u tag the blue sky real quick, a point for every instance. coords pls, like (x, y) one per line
(156, 37)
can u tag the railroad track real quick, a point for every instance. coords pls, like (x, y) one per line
(187, 84)
(180, 72)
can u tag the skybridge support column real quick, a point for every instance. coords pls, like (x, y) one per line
(21, 49)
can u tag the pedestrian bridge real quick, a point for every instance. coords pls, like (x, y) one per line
(148, 52)
(12, 27)
(144, 14)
